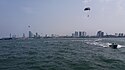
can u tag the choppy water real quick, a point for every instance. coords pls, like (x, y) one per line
(62, 54)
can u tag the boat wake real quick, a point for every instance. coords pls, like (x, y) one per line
(100, 43)
(119, 46)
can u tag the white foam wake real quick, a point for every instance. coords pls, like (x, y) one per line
(99, 43)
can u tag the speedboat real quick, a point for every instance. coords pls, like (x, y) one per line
(113, 45)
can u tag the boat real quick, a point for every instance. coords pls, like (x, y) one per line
(113, 45)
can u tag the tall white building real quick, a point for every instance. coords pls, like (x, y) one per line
(30, 34)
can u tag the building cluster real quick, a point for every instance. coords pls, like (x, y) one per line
(31, 35)
(100, 34)
(119, 34)
(79, 34)
(76, 34)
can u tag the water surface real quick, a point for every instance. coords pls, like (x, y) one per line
(62, 54)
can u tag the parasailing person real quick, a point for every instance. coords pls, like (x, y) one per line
(87, 9)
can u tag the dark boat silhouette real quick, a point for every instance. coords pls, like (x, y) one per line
(113, 45)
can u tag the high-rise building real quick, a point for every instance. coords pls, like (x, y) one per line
(121, 35)
(80, 34)
(83, 34)
(23, 35)
(10, 35)
(100, 34)
(116, 34)
(73, 34)
(76, 34)
(37, 34)
(30, 34)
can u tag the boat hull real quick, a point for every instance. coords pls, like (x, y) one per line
(113, 46)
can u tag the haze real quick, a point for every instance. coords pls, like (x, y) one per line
(61, 17)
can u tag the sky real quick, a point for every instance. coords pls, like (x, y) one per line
(62, 17)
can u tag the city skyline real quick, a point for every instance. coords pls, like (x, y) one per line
(75, 34)
(61, 17)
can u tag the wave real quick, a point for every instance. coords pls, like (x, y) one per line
(99, 42)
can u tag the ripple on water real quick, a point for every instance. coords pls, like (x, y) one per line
(59, 54)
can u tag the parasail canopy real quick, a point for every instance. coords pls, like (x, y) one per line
(87, 9)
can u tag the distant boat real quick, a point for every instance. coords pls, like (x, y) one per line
(113, 45)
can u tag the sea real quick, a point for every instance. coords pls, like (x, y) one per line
(62, 54)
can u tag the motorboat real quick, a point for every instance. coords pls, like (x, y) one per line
(113, 45)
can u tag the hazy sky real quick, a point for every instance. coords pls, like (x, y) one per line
(61, 16)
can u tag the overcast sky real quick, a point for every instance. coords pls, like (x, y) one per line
(61, 17)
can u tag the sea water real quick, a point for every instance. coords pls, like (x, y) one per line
(62, 54)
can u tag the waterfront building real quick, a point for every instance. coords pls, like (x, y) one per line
(116, 34)
(46, 35)
(80, 34)
(10, 35)
(54, 35)
(30, 34)
(37, 34)
(83, 34)
(23, 35)
(121, 35)
(76, 34)
(100, 34)
(73, 34)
